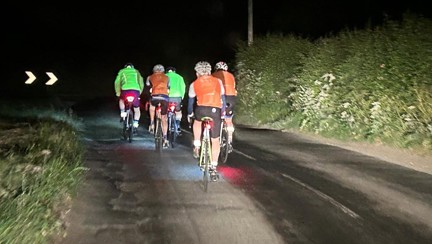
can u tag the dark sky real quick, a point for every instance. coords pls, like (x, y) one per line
(85, 43)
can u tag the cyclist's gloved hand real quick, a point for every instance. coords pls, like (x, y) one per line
(223, 114)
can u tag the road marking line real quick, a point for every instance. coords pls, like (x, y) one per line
(247, 156)
(324, 196)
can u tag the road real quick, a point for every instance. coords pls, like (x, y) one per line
(276, 187)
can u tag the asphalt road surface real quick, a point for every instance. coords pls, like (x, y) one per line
(276, 187)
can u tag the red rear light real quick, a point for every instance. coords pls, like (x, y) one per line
(130, 98)
(172, 106)
(209, 125)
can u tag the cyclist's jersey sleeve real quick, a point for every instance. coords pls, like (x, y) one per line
(228, 81)
(140, 82)
(177, 85)
(128, 79)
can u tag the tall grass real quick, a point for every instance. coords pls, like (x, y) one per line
(40, 167)
(369, 85)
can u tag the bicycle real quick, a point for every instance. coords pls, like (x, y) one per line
(206, 151)
(225, 144)
(128, 129)
(172, 125)
(158, 134)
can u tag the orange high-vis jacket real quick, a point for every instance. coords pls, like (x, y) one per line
(208, 91)
(228, 81)
(159, 83)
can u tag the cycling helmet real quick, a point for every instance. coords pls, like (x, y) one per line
(221, 66)
(128, 65)
(203, 68)
(170, 68)
(158, 68)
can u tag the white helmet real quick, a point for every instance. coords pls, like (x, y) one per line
(203, 68)
(158, 68)
(221, 66)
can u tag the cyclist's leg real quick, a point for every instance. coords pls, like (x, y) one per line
(216, 116)
(122, 107)
(122, 104)
(152, 108)
(178, 112)
(229, 115)
(152, 113)
(164, 112)
(215, 151)
(136, 108)
(197, 129)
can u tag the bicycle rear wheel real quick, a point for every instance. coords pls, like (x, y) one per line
(224, 146)
(206, 162)
(130, 126)
(158, 135)
(125, 129)
(172, 130)
(126, 126)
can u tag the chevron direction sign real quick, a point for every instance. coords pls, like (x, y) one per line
(32, 77)
(52, 79)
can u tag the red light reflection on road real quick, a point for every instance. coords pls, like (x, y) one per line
(238, 175)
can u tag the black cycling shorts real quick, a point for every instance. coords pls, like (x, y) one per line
(212, 112)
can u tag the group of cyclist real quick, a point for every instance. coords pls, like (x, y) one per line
(210, 95)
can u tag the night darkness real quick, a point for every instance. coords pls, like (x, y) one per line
(85, 44)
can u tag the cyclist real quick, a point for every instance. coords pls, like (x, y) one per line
(176, 92)
(159, 83)
(208, 91)
(229, 82)
(129, 82)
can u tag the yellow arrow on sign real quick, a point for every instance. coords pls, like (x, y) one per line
(52, 79)
(31, 77)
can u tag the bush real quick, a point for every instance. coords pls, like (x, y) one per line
(373, 84)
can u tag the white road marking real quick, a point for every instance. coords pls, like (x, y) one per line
(245, 155)
(324, 196)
